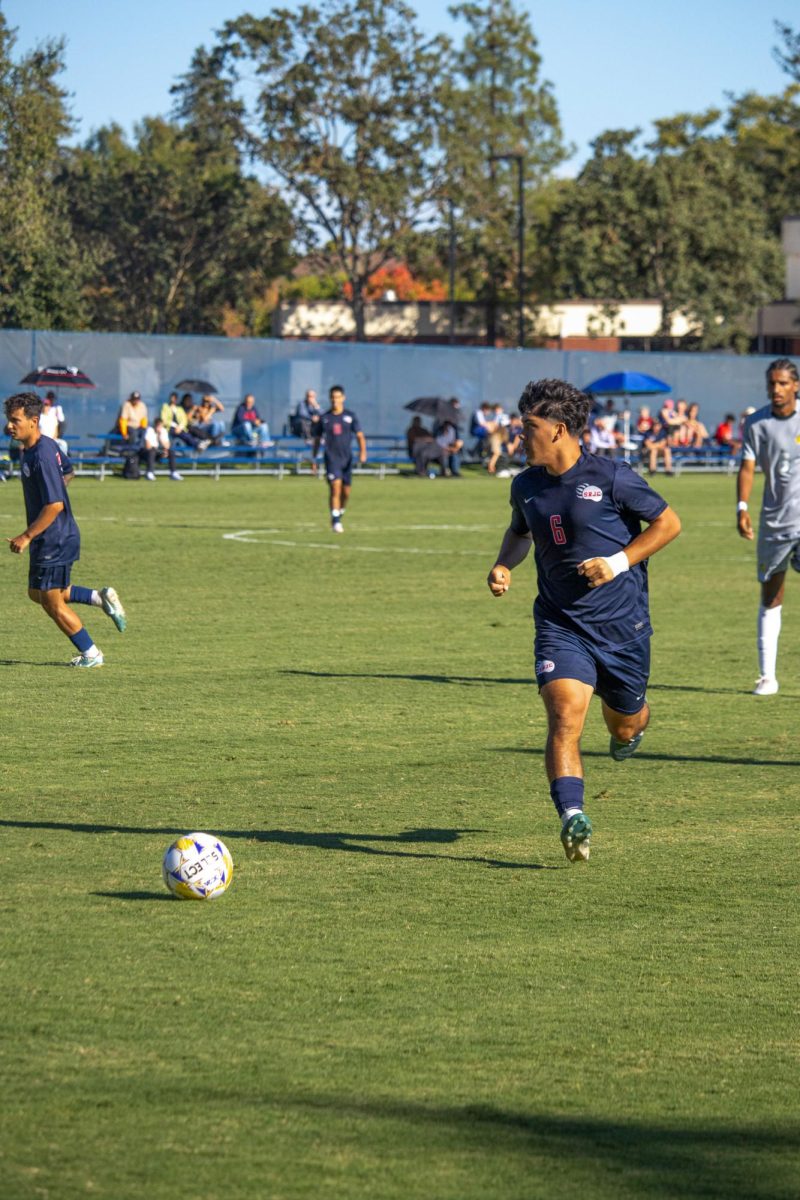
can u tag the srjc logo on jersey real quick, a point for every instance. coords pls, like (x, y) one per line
(544, 666)
(589, 491)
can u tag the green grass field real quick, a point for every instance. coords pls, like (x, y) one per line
(407, 992)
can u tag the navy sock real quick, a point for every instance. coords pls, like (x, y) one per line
(79, 595)
(567, 792)
(81, 640)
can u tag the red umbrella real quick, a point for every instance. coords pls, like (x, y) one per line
(69, 377)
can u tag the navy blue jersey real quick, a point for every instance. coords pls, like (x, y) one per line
(43, 471)
(593, 510)
(338, 430)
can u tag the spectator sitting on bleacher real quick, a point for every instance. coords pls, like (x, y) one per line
(678, 433)
(644, 421)
(176, 422)
(514, 446)
(497, 432)
(417, 432)
(132, 419)
(481, 427)
(657, 445)
(248, 429)
(603, 441)
(307, 413)
(157, 444)
(447, 437)
(204, 425)
(52, 421)
(724, 435)
(696, 433)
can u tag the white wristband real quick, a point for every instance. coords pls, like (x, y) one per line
(618, 563)
(741, 506)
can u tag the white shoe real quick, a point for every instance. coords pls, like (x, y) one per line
(337, 527)
(87, 660)
(765, 686)
(176, 475)
(151, 476)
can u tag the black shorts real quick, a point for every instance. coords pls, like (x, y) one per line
(618, 674)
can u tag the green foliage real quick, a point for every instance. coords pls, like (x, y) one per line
(496, 104)
(684, 221)
(40, 269)
(345, 116)
(174, 231)
(407, 992)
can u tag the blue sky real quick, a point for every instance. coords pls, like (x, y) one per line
(616, 64)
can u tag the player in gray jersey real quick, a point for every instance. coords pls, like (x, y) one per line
(772, 441)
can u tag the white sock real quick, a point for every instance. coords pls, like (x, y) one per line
(569, 812)
(335, 514)
(97, 600)
(92, 652)
(769, 628)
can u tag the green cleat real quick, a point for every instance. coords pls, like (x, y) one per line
(113, 608)
(575, 836)
(619, 751)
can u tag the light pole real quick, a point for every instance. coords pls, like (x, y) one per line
(519, 158)
(452, 266)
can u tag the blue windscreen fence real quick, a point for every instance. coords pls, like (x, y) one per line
(379, 379)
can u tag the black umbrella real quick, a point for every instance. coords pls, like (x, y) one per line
(69, 377)
(437, 407)
(197, 385)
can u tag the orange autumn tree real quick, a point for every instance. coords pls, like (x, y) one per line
(396, 277)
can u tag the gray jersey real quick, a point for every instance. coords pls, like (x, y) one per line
(774, 444)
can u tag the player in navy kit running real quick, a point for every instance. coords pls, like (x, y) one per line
(52, 534)
(338, 426)
(583, 515)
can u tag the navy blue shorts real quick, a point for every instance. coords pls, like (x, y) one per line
(339, 468)
(618, 674)
(44, 577)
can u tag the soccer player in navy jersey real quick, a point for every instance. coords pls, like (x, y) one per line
(338, 426)
(583, 516)
(52, 534)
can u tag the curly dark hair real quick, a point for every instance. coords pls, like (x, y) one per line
(556, 400)
(783, 364)
(29, 402)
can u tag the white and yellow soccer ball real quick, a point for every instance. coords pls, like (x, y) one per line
(197, 866)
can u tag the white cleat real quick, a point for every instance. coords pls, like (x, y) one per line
(176, 475)
(112, 607)
(87, 660)
(150, 476)
(765, 686)
(337, 527)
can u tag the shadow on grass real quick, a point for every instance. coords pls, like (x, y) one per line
(657, 1160)
(351, 843)
(24, 662)
(470, 680)
(134, 895)
(462, 679)
(648, 756)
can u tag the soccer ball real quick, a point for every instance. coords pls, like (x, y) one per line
(197, 866)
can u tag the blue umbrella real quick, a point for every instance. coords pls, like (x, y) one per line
(627, 383)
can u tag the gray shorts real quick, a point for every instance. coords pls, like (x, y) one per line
(775, 555)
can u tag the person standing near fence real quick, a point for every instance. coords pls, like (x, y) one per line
(772, 441)
(338, 426)
(52, 536)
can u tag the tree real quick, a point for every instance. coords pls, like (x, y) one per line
(345, 116)
(496, 105)
(40, 270)
(787, 56)
(178, 239)
(682, 222)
